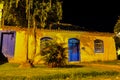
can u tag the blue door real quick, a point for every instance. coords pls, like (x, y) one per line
(8, 44)
(74, 54)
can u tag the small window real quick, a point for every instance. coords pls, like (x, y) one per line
(98, 46)
(43, 41)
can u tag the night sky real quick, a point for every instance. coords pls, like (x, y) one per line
(98, 16)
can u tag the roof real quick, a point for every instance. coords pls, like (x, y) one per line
(94, 33)
(66, 26)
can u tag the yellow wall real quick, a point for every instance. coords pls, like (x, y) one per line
(20, 47)
(88, 54)
(86, 41)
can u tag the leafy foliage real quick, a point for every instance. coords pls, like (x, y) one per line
(117, 42)
(117, 30)
(43, 12)
(117, 26)
(14, 15)
(53, 53)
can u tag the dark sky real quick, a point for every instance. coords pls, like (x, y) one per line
(99, 16)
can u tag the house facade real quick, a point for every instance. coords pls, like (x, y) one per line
(83, 46)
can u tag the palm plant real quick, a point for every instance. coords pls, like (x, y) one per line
(53, 53)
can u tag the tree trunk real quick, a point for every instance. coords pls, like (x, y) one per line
(34, 34)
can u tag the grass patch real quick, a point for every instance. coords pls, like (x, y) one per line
(10, 71)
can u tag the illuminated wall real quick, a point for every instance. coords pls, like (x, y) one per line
(86, 47)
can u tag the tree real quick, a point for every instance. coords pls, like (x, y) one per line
(117, 31)
(30, 13)
(117, 42)
(41, 10)
(14, 13)
(44, 12)
(117, 26)
(55, 15)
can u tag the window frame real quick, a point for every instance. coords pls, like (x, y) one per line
(98, 46)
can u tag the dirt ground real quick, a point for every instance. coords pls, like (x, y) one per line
(106, 66)
(114, 67)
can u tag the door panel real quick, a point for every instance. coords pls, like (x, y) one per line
(74, 49)
(8, 44)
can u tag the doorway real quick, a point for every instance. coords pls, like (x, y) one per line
(8, 44)
(74, 54)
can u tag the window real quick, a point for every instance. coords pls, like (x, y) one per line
(98, 46)
(43, 42)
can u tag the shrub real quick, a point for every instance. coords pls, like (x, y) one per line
(53, 53)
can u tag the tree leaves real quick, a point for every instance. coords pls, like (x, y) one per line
(117, 26)
(44, 11)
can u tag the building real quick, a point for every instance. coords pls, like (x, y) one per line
(83, 46)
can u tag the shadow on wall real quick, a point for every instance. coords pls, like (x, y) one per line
(3, 59)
